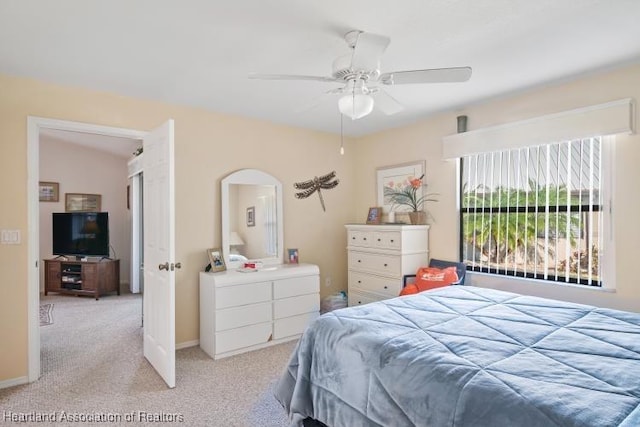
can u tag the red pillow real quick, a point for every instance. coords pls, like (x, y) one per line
(409, 289)
(431, 277)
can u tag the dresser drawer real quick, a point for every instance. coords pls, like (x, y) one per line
(360, 238)
(231, 296)
(234, 339)
(356, 298)
(243, 315)
(294, 286)
(375, 263)
(387, 240)
(296, 305)
(291, 326)
(381, 285)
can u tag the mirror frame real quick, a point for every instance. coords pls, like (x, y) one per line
(250, 177)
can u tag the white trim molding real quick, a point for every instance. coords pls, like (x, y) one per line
(611, 118)
(187, 344)
(13, 382)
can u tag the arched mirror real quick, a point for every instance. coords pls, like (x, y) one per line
(251, 218)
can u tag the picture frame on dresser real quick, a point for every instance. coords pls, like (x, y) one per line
(374, 215)
(292, 255)
(396, 177)
(216, 259)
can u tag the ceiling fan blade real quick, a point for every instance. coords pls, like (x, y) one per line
(291, 77)
(434, 75)
(318, 100)
(368, 49)
(386, 103)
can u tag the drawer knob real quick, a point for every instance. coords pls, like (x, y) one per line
(353, 238)
(385, 265)
(391, 240)
(379, 240)
(385, 287)
(359, 281)
(359, 261)
(364, 238)
(359, 302)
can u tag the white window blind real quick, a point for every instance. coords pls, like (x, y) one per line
(535, 212)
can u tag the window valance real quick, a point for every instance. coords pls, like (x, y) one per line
(610, 118)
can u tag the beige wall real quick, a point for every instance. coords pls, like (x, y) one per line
(210, 145)
(80, 169)
(423, 140)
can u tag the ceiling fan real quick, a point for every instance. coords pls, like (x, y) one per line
(359, 72)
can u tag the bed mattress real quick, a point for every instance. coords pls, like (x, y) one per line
(466, 356)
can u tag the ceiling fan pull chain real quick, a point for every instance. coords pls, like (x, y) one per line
(341, 135)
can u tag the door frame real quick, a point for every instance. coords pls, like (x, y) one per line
(34, 125)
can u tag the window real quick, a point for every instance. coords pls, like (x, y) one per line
(535, 212)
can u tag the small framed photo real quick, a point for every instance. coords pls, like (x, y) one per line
(49, 191)
(216, 259)
(251, 216)
(293, 255)
(374, 215)
(77, 202)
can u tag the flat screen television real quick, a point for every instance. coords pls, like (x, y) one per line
(81, 234)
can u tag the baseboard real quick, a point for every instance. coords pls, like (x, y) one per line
(187, 344)
(13, 382)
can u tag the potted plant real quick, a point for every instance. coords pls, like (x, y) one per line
(413, 195)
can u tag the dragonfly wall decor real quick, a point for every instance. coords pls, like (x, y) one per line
(324, 182)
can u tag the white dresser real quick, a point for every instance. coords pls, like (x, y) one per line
(378, 257)
(242, 311)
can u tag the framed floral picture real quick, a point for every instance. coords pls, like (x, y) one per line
(395, 178)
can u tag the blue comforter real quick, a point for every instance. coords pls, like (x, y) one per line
(466, 356)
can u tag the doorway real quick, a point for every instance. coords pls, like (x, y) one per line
(35, 126)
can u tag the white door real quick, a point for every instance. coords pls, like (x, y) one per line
(159, 252)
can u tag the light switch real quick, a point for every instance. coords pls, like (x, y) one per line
(10, 237)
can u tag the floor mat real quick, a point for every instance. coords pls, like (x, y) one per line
(46, 314)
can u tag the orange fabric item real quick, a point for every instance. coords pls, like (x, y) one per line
(409, 289)
(431, 277)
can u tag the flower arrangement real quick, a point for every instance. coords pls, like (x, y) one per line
(408, 194)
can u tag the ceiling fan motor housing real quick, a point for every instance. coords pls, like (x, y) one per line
(341, 70)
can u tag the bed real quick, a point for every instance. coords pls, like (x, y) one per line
(466, 356)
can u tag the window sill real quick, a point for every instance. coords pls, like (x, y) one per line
(475, 278)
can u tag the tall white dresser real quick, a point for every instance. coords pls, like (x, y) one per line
(378, 257)
(243, 311)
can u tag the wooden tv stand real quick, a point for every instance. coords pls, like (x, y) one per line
(92, 278)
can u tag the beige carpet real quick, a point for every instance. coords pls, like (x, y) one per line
(92, 364)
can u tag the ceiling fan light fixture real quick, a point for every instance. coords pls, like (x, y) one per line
(355, 105)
